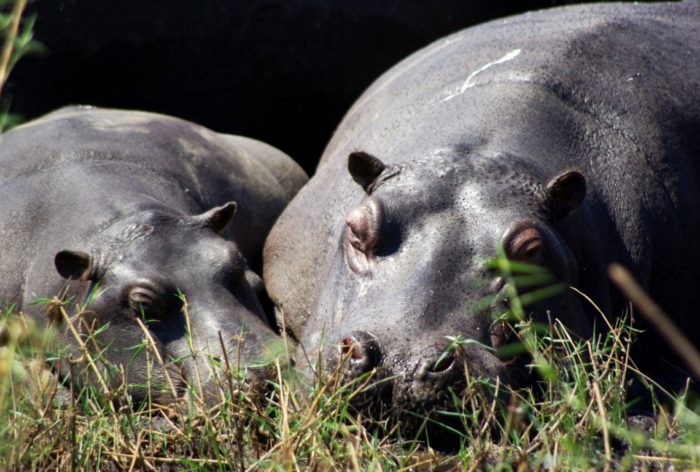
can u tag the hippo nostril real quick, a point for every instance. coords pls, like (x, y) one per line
(350, 348)
(438, 364)
(361, 352)
(442, 364)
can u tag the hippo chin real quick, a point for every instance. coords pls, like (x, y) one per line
(570, 137)
(134, 213)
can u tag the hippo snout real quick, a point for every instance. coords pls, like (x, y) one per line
(431, 374)
(418, 380)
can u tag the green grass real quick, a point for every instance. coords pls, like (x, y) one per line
(573, 418)
(17, 42)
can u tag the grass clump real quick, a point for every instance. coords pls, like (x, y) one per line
(575, 416)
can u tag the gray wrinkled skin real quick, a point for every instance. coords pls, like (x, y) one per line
(136, 207)
(490, 135)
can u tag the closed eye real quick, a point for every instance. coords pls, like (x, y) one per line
(364, 226)
(153, 300)
(525, 246)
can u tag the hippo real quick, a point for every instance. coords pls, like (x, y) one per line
(130, 215)
(569, 137)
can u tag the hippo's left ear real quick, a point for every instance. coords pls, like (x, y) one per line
(218, 217)
(565, 192)
(364, 168)
(74, 265)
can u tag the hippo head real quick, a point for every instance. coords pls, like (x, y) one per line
(410, 271)
(190, 288)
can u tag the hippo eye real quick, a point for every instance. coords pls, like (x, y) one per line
(141, 297)
(363, 233)
(525, 246)
(147, 300)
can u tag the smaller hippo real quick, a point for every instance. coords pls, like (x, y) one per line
(134, 213)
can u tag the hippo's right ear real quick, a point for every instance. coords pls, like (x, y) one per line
(218, 217)
(365, 169)
(565, 193)
(74, 265)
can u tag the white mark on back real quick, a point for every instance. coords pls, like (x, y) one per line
(126, 123)
(397, 72)
(469, 82)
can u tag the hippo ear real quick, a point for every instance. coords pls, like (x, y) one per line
(74, 265)
(218, 217)
(565, 192)
(364, 169)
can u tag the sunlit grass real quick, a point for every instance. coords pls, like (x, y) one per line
(574, 417)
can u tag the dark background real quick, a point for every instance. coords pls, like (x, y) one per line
(283, 71)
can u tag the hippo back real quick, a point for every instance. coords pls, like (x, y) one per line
(162, 152)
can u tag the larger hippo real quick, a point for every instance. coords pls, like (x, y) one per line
(570, 137)
(135, 208)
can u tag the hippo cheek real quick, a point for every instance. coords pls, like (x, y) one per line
(316, 352)
(226, 334)
(129, 355)
(197, 360)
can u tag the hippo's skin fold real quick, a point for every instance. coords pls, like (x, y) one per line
(138, 208)
(569, 136)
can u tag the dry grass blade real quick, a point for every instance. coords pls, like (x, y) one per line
(85, 350)
(10, 40)
(656, 315)
(601, 411)
(152, 346)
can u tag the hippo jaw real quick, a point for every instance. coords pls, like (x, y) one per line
(410, 273)
(170, 283)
